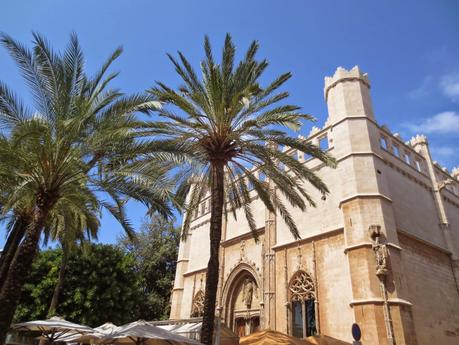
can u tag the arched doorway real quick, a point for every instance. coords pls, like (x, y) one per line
(242, 298)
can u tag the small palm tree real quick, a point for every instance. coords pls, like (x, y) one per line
(73, 222)
(80, 137)
(223, 124)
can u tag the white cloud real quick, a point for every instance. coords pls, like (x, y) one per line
(449, 84)
(443, 123)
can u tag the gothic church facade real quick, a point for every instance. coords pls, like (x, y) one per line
(381, 250)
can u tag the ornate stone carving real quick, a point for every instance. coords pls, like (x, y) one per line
(197, 308)
(302, 287)
(381, 254)
(248, 290)
(242, 251)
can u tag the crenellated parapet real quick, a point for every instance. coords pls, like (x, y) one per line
(455, 173)
(341, 74)
(347, 94)
(418, 139)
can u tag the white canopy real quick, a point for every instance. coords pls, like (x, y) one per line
(145, 333)
(96, 334)
(54, 328)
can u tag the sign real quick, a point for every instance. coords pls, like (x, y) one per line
(356, 332)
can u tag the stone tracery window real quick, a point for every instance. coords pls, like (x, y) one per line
(302, 298)
(302, 287)
(197, 309)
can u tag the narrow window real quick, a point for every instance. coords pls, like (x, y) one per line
(297, 319)
(203, 207)
(323, 143)
(407, 158)
(302, 296)
(396, 150)
(383, 143)
(418, 165)
(262, 177)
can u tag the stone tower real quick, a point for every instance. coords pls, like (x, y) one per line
(379, 307)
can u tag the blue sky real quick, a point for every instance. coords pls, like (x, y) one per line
(409, 48)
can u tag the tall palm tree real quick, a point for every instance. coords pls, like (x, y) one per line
(80, 137)
(223, 124)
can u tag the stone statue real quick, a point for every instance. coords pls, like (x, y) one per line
(381, 254)
(247, 293)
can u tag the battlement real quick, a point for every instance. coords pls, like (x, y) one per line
(455, 173)
(341, 74)
(418, 140)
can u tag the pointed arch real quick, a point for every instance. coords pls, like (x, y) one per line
(197, 308)
(242, 277)
(301, 287)
(303, 304)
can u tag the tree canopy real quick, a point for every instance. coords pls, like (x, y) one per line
(155, 252)
(101, 285)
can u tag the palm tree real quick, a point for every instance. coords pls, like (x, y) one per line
(224, 124)
(80, 137)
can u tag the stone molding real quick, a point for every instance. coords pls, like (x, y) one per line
(196, 271)
(379, 300)
(369, 245)
(364, 196)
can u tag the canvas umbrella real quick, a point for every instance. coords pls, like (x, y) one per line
(53, 329)
(326, 340)
(97, 333)
(144, 333)
(269, 337)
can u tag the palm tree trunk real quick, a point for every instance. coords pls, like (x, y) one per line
(216, 216)
(22, 263)
(60, 282)
(11, 246)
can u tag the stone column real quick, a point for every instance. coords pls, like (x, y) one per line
(269, 271)
(365, 202)
(421, 145)
(182, 267)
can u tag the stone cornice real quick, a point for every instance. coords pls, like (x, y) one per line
(308, 239)
(196, 271)
(364, 196)
(369, 245)
(379, 300)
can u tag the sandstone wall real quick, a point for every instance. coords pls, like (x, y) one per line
(427, 275)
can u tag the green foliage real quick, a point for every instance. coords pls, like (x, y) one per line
(155, 251)
(100, 285)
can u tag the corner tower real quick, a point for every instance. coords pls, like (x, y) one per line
(368, 216)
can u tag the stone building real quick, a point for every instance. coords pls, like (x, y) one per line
(382, 250)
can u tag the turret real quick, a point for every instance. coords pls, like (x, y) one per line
(347, 94)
